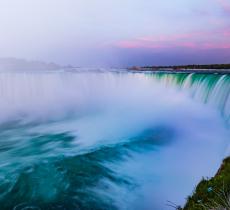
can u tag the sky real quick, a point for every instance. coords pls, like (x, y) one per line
(116, 33)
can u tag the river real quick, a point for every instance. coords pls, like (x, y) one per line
(109, 139)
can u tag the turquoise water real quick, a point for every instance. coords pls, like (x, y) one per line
(109, 140)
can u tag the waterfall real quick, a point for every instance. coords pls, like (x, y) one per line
(47, 92)
(211, 89)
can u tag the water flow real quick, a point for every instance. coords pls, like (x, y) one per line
(212, 89)
(108, 140)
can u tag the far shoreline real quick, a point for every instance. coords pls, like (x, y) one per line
(201, 69)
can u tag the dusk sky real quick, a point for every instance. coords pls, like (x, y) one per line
(116, 32)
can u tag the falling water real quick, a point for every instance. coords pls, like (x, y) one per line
(109, 139)
(212, 89)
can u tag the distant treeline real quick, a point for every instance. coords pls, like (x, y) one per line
(210, 66)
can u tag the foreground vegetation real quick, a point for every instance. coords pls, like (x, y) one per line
(212, 194)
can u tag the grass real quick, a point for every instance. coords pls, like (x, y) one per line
(214, 193)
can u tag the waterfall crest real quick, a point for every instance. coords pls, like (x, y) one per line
(211, 89)
(51, 92)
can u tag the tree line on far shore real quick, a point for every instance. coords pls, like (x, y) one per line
(193, 66)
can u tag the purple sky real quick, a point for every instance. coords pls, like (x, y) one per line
(116, 33)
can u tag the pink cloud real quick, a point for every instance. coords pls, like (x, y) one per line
(172, 37)
(128, 44)
(226, 32)
(188, 45)
(137, 44)
(216, 46)
(219, 39)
